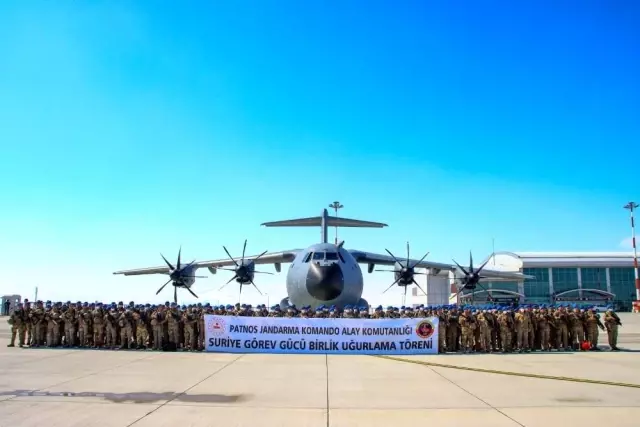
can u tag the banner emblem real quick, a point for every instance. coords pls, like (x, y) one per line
(425, 329)
(216, 326)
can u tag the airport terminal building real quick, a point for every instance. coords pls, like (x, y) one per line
(560, 277)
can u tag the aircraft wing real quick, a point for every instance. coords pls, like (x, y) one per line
(371, 258)
(268, 258)
(377, 259)
(140, 271)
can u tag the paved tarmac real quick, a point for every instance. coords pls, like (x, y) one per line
(85, 388)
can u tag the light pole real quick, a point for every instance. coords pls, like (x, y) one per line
(335, 206)
(631, 206)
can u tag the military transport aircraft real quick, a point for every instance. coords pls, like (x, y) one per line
(322, 274)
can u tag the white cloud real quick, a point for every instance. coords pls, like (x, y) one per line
(626, 243)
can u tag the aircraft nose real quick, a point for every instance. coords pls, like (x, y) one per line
(325, 283)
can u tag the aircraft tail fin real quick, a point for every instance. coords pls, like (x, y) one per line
(325, 221)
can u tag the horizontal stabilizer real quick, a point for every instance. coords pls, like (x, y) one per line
(324, 221)
(315, 221)
(332, 221)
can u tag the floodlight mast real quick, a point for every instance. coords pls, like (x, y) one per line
(632, 206)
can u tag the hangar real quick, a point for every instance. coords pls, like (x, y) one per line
(560, 277)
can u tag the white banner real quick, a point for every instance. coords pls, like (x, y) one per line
(231, 334)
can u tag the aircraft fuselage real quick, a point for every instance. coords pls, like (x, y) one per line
(324, 274)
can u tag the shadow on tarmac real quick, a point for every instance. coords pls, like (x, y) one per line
(137, 397)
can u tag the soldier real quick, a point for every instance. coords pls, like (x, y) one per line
(29, 324)
(521, 320)
(189, 320)
(484, 336)
(84, 327)
(532, 329)
(506, 323)
(576, 320)
(173, 328)
(442, 331)
(157, 326)
(592, 322)
(36, 317)
(333, 312)
(467, 327)
(110, 328)
(544, 321)
(53, 331)
(378, 313)
(201, 325)
(98, 326)
(18, 321)
(304, 312)
(363, 312)
(562, 338)
(69, 318)
(142, 337)
(126, 329)
(348, 312)
(453, 329)
(612, 321)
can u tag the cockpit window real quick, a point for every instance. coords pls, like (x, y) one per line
(318, 256)
(308, 257)
(331, 256)
(341, 259)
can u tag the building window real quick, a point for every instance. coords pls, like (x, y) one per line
(623, 285)
(564, 279)
(594, 278)
(414, 292)
(537, 288)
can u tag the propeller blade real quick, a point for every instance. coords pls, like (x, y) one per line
(254, 285)
(175, 294)
(230, 257)
(188, 265)
(223, 286)
(419, 287)
(459, 291)
(244, 249)
(179, 252)
(407, 254)
(191, 292)
(195, 277)
(162, 287)
(168, 263)
(421, 259)
(482, 266)
(386, 271)
(235, 276)
(259, 256)
(489, 297)
(461, 267)
(226, 268)
(470, 262)
(391, 286)
(262, 272)
(394, 257)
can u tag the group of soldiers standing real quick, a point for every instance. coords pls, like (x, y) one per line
(173, 327)
(525, 329)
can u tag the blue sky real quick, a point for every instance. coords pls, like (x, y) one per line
(129, 129)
